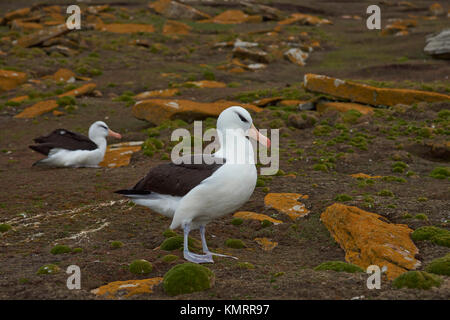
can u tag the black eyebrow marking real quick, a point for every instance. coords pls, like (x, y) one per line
(104, 127)
(241, 117)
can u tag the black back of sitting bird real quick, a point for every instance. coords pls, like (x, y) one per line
(63, 139)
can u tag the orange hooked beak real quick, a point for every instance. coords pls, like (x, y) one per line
(114, 134)
(256, 135)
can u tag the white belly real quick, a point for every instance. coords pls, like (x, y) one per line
(222, 193)
(76, 158)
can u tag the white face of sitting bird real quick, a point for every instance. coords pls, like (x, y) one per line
(99, 129)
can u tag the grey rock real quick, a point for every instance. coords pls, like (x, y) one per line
(438, 46)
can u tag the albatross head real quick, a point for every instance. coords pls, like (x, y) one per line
(99, 129)
(238, 120)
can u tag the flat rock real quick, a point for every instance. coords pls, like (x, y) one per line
(322, 106)
(119, 154)
(37, 109)
(42, 35)
(164, 93)
(20, 13)
(365, 176)
(304, 19)
(127, 289)
(25, 26)
(125, 27)
(248, 215)
(366, 94)
(62, 74)
(11, 79)
(438, 46)
(158, 110)
(84, 89)
(287, 203)
(369, 240)
(206, 84)
(175, 27)
(296, 56)
(18, 99)
(175, 10)
(266, 101)
(266, 244)
(252, 54)
(234, 17)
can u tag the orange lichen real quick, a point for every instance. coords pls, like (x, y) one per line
(368, 240)
(114, 290)
(343, 107)
(365, 176)
(368, 94)
(175, 27)
(255, 216)
(266, 244)
(287, 203)
(159, 110)
(37, 109)
(206, 84)
(305, 19)
(19, 99)
(165, 93)
(233, 17)
(11, 79)
(62, 75)
(119, 155)
(87, 88)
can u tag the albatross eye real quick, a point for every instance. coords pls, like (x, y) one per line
(104, 127)
(241, 117)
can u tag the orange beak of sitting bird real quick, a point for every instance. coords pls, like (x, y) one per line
(114, 134)
(257, 136)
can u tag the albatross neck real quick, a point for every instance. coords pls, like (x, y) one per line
(235, 147)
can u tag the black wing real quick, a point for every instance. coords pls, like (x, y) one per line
(64, 139)
(174, 179)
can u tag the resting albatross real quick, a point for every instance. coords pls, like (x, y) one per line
(193, 193)
(65, 148)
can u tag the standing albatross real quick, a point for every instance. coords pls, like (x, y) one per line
(193, 193)
(65, 148)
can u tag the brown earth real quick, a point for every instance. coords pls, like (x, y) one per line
(77, 207)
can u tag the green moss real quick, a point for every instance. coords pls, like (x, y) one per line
(260, 182)
(320, 167)
(116, 244)
(234, 243)
(66, 101)
(176, 242)
(338, 266)
(422, 199)
(440, 173)
(5, 227)
(417, 280)
(187, 278)
(437, 235)
(421, 216)
(140, 267)
(237, 221)
(169, 258)
(343, 197)
(351, 116)
(48, 269)
(245, 265)
(266, 223)
(386, 193)
(443, 240)
(394, 179)
(440, 266)
(77, 250)
(169, 233)
(60, 248)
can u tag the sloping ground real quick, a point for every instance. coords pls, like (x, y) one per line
(401, 147)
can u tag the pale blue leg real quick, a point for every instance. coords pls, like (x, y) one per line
(205, 246)
(192, 257)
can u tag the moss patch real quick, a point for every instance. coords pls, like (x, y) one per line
(338, 266)
(60, 249)
(116, 244)
(437, 235)
(169, 233)
(417, 280)
(169, 258)
(234, 243)
(48, 269)
(176, 242)
(188, 278)
(141, 267)
(440, 266)
(440, 173)
(5, 227)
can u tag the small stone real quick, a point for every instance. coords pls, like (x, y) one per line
(438, 46)
(296, 56)
(252, 54)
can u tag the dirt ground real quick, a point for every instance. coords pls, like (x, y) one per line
(77, 207)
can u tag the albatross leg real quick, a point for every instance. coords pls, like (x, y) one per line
(192, 257)
(205, 246)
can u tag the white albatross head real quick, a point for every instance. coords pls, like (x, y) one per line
(99, 129)
(237, 119)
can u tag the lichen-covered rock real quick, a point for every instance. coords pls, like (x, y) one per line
(417, 280)
(126, 289)
(323, 106)
(252, 54)
(338, 266)
(84, 89)
(16, 14)
(296, 56)
(248, 215)
(436, 9)
(440, 266)
(119, 155)
(62, 74)
(176, 27)
(368, 94)
(164, 93)
(177, 11)
(11, 79)
(287, 203)
(42, 35)
(368, 240)
(141, 267)
(187, 278)
(266, 244)
(364, 176)
(305, 19)
(37, 109)
(234, 17)
(157, 111)
(206, 84)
